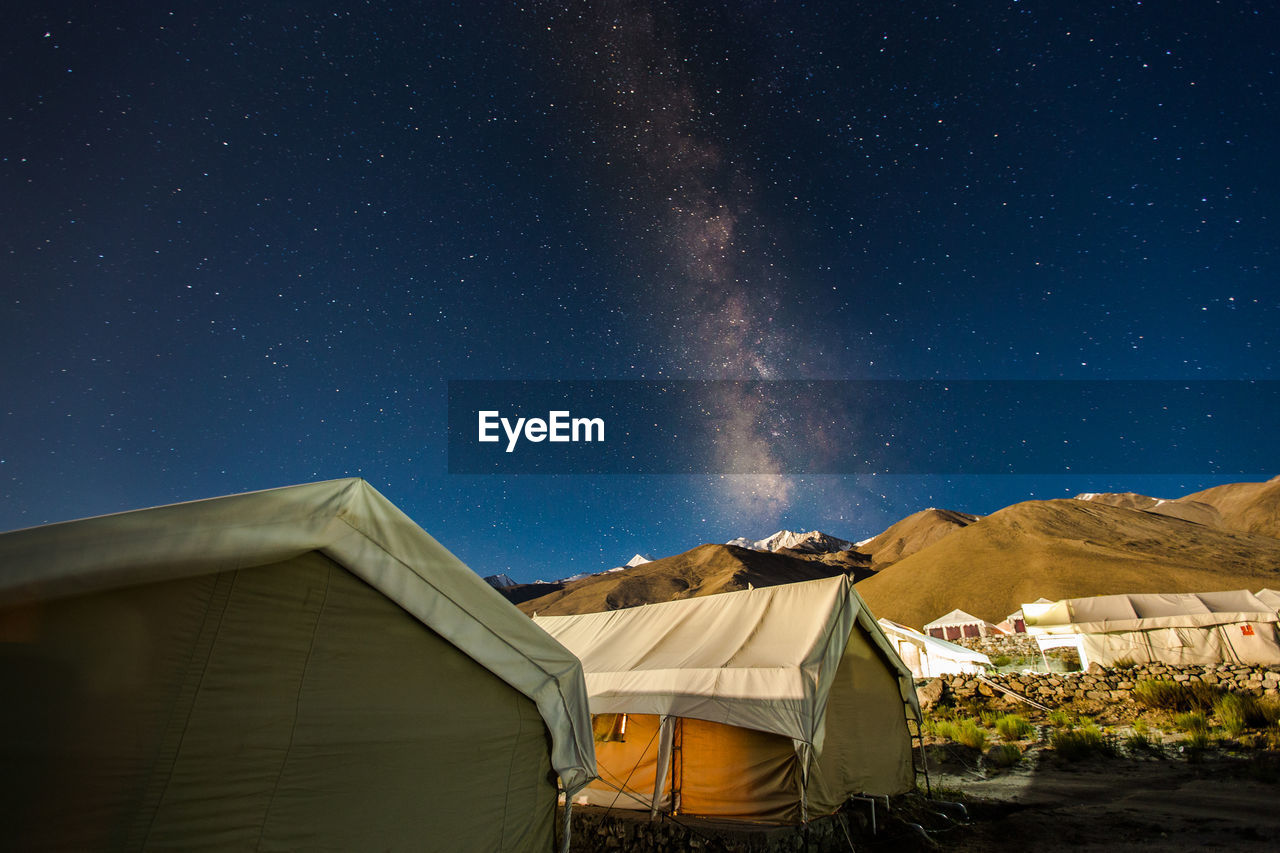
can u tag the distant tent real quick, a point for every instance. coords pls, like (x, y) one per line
(1014, 623)
(300, 668)
(770, 704)
(1177, 628)
(929, 657)
(958, 624)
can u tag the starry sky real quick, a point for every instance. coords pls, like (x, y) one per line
(246, 245)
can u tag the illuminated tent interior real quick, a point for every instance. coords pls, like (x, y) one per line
(772, 704)
(299, 668)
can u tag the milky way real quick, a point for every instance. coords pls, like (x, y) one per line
(688, 196)
(245, 245)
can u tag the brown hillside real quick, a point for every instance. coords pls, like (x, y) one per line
(851, 562)
(705, 570)
(913, 533)
(1189, 510)
(1064, 549)
(1248, 507)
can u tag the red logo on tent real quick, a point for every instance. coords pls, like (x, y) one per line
(1247, 630)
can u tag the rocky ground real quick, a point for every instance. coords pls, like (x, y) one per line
(1216, 800)
(1102, 769)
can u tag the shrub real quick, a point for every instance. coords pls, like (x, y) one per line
(969, 734)
(1005, 755)
(1013, 727)
(989, 717)
(1268, 710)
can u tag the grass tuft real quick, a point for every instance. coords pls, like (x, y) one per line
(1158, 695)
(1171, 696)
(945, 729)
(1077, 744)
(1013, 727)
(1005, 755)
(1192, 722)
(1197, 741)
(970, 734)
(1233, 713)
(1059, 719)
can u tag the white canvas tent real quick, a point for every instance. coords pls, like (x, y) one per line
(299, 668)
(929, 657)
(770, 704)
(957, 624)
(1177, 628)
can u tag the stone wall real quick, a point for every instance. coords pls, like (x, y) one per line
(1013, 645)
(1116, 685)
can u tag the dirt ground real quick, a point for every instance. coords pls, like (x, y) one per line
(1217, 801)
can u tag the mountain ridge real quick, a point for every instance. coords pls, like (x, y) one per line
(937, 560)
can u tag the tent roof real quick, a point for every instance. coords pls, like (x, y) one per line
(1146, 611)
(352, 524)
(956, 617)
(760, 659)
(1017, 614)
(1269, 597)
(933, 645)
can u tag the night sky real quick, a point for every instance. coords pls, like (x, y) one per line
(247, 245)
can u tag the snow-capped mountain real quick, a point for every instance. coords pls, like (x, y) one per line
(500, 581)
(637, 560)
(813, 542)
